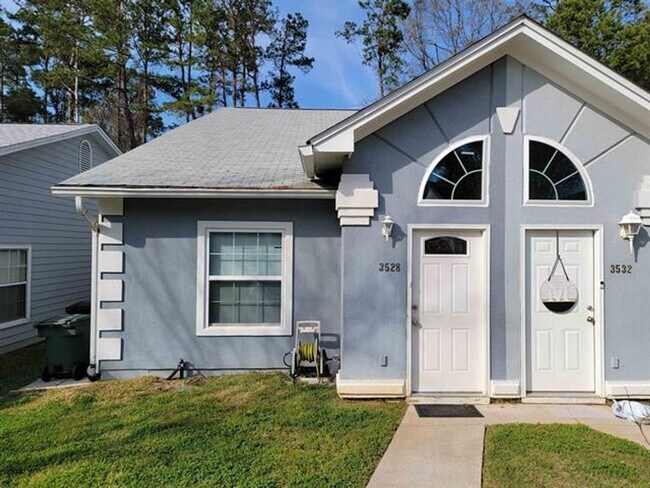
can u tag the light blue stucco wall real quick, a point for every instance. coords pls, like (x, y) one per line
(160, 279)
(396, 158)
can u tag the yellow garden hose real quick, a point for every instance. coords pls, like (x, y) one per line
(308, 351)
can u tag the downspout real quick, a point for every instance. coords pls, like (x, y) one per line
(93, 223)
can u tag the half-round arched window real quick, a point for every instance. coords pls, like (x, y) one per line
(457, 176)
(554, 175)
(85, 156)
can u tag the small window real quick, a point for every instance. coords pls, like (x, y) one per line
(14, 285)
(458, 175)
(247, 283)
(445, 245)
(552, 175)
(85, 156)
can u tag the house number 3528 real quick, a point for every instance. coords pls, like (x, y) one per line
(390, 267)
(620, 269)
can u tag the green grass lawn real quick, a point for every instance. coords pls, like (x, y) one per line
(241, 430)
(560, 456)
(19, 368)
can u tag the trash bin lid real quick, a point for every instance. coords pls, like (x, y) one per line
(67, 321)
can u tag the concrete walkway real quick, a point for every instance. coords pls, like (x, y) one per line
(448, 452)
(40, 385)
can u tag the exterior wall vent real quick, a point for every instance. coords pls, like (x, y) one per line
(85, 156)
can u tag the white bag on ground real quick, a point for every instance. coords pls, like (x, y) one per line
(634, 411)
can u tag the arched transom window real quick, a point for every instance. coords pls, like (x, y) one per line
(553, 175)
(458, 175)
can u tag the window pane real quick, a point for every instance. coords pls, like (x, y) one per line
(245, 254)
(222, 243)
(552, 175)
(271, 243)
(445, 245)
(469, 187)
(458, 175)
(13, 266)
(13, 303)
(572, 188)
(245, 302)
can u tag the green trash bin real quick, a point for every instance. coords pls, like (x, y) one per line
(67, 345)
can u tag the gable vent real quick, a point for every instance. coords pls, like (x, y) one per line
(85, 156)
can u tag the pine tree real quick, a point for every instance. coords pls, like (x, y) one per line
(286, 50)
(382, 38)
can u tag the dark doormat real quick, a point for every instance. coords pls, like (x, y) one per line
(447, 411)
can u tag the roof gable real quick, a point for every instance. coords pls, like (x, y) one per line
(523, 39)
(19, 137)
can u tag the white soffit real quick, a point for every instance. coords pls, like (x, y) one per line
(528, 42)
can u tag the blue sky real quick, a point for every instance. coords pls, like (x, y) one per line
(338, 79)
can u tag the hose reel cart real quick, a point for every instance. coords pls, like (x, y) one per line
(307, 350)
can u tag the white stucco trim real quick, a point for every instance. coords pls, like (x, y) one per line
(525, 40)
(624, 389)
(28, 287)
(369, 388)
(161, 192)
(204, 228)
(411, 228)
(578, 164)
(599, 301)
(485, 180)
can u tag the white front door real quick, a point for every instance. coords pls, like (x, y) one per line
(449, 311)
(560, 345)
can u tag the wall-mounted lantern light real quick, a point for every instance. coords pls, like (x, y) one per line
(630, 226)
(387, 227)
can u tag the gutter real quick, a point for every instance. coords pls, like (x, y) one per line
(163, 192)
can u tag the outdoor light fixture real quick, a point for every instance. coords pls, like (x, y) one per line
(387, 227)
(630, 226)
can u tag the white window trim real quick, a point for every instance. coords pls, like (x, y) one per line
(578, 164)
(202, 272)
(28, 291)
(485, 180)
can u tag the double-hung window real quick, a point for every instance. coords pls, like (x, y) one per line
(14, 286)
(244, 278)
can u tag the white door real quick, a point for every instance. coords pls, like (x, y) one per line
(560, 345)
(449, 312)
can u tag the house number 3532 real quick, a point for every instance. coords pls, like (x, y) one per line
(390, 267)
(620, 269)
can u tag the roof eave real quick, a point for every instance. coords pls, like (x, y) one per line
(179, 192)
(81, 131)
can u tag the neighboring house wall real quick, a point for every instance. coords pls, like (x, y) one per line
(160, 284)
(397, 156)
(58, 236)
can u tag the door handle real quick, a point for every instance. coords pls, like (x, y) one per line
(415, 323)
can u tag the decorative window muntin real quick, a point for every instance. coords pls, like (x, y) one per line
(445, 246)
(554, 175)
(244, 278)
(14, 285)
(458, 176)
(85, 156)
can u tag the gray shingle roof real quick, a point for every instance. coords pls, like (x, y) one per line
(13, 134)
(241, 148)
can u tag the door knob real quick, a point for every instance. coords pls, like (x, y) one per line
(591, 320)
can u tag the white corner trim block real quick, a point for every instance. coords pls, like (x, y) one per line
(642, 199)
(356, 200)
(508, 118)
(505, 388)
(109, 319)
(370, 388)
(109, 291)
(110, 232)
(111, 262)
(625, 389)
(109, 348)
